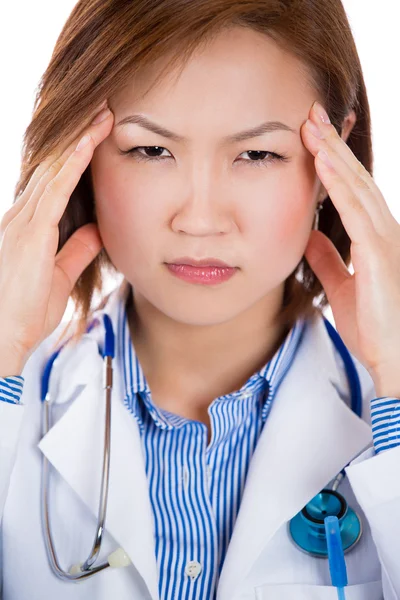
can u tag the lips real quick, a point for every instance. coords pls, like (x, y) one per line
(205, 262)
(202, 275)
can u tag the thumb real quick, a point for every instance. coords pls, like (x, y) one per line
(77, 253)
(326, 262)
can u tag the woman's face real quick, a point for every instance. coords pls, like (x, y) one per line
(206, 196)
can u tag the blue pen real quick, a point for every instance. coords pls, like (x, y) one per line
(337, 564)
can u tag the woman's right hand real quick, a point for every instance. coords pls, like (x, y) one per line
(35, 282)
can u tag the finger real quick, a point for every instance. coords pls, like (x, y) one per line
(76, 254)
(326, 262)
(51, 183)
(355, 218)
(60, 154)
(329, 133)
(337, 281)
(351, 194)
(375, 203)
(54, 168)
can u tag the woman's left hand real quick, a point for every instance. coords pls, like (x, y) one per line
(366, 304)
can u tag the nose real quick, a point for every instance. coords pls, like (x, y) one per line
(204, 211)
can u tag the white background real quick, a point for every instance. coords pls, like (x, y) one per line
(29, 30)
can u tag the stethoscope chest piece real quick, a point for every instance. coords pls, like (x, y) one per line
(307, 528)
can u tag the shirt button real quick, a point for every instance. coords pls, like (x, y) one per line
(185, 477)
(247, 395)
(193, 569)
(208, 473)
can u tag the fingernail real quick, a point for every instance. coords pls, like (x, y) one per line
(83, 142)
(314, 129)
(102, 105)
(321, 112)
(101, 116)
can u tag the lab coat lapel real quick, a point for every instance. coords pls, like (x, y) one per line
(309, 436)
(74, 446)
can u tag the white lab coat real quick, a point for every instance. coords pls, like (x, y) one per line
(308, 437)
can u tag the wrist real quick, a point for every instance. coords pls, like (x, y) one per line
(11, 364)
(387, 384)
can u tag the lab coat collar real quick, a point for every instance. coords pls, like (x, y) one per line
(309, 436)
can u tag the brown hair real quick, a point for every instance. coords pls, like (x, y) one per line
(105, 41)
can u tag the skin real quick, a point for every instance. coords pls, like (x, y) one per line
(205, 198)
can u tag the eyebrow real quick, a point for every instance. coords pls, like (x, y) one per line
(258, 130)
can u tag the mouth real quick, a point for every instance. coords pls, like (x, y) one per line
(206, 275)
(204, 262)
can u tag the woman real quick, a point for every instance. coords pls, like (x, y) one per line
(231, 408)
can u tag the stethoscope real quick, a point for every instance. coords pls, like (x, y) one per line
(325, 527)
(118, 558)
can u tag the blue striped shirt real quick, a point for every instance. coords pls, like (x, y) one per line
(385, 420)
(11, 389)
(196, 487)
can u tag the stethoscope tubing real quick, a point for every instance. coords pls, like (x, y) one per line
(86, 569)
(352, 375)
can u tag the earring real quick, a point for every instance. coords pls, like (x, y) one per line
(317, 211)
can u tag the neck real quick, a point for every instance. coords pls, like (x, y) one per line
(188, 366)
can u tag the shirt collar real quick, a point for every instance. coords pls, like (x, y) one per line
(135, 383)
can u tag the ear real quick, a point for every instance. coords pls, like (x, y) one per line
(348, 125)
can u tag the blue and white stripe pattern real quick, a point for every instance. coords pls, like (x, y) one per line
(196, 487)
(385, 419)
(11, 389)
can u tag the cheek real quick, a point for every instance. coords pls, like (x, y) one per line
(125, 218)
(281, 222)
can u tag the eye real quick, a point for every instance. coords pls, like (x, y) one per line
(266, 157)
(139, 156)
(259, 158)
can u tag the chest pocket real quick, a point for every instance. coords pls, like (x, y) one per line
(299, 591)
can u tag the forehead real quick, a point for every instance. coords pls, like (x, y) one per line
(240, 73)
